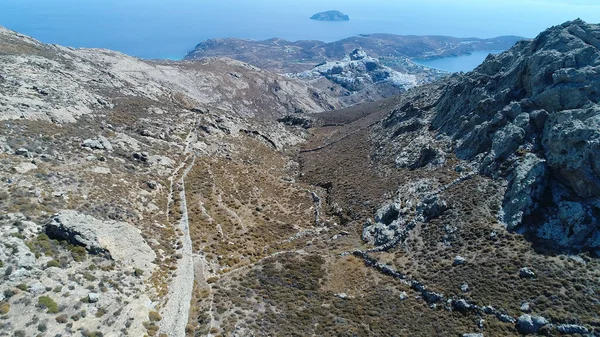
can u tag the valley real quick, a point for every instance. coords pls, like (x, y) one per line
(214, 198)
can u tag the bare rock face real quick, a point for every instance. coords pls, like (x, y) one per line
(116, 240)
(357, 70)
(531, 116)
(416, 202)
(359, 77)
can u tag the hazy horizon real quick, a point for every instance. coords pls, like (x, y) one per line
(153, 28)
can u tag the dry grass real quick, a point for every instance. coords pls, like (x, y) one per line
(240, 209)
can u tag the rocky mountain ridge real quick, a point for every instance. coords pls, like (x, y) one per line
(527, 115)
(480, 177)
(393, 50)
(29, 82)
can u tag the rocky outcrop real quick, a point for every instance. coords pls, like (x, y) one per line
(116, 240)
(529, 116)
(416, 203)
(527, 324)
(572, 329)
(98, 143)
(358, 72)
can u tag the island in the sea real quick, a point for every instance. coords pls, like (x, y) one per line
(330, 16)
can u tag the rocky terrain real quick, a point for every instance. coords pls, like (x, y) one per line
(94, 147)
(529, 116)
(212, 198)
(358, 78)
(355, 70)
(477, 192)
(330, 16)
(394, 51)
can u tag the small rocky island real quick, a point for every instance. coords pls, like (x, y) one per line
(330, 16)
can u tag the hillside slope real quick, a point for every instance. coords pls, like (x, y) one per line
(94, 147)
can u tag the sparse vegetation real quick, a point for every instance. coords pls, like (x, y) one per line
(271, 228)
(53, 263)
(48, 303)
(78, 252)
(154, 316)
(62, 319)
(4, 308)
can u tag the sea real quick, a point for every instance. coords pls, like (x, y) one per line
(462, 63)
(168, 29)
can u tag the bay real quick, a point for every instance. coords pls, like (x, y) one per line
(463, 63)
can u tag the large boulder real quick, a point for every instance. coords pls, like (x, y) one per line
(119, 241)
(527, 324)
(98, 143)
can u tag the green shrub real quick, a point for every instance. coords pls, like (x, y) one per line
(89, 277)
(53, 263)
(48, 303)
(87, 333)
(22, 287)
(42, 327)
(78, 252)
(18, 236)
(42, 245)
(101, 312)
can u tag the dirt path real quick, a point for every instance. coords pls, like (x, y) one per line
(175, 313)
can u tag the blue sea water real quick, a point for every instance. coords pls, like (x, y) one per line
(171, 28)
(458, 63)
